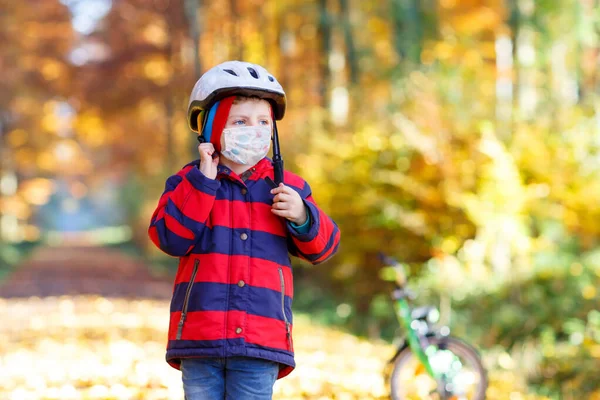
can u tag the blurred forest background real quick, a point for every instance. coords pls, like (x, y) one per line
(460, 136)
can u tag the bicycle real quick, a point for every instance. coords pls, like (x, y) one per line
(429, 362)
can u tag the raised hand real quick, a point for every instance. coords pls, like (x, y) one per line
(208, 164)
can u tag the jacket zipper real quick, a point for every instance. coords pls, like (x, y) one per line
(186, 300)
(287, 323)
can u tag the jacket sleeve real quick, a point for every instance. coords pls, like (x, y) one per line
(183, 210)
(322, 239)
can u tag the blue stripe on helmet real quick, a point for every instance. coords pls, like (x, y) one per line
(207, 129)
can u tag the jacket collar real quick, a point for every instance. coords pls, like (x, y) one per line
(257, 171)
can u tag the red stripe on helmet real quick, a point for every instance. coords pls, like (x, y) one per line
(220, 120)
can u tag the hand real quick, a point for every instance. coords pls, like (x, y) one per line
(208, 164)
(288, 204)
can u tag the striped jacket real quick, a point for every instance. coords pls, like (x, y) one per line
(233, 289)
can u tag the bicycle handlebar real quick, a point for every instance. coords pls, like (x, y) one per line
(387, 260)
(400, 273)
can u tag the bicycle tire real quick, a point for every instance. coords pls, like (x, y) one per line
(457, 347)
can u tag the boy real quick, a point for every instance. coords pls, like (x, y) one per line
(230, 331)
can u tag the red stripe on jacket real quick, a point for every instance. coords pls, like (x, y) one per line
(256, 210)
(216, 266)
(254, 329)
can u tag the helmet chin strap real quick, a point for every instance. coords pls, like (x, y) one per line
(277, 160)
(201, 120)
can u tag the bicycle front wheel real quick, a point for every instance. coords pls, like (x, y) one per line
(463, 374)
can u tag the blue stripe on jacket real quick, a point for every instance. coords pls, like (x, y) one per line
(259, 190)
(229, 241)
(227, 347)
(195, 226)
(328, 246)
(170, 242)
(210, 296)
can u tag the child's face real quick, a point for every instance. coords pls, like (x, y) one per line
(246, 136)
(250, 112)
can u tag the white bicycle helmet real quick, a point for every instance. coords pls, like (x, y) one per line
(234, 78)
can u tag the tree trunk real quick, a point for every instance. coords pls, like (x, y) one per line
(587, 78)
(168, 100)
(4, 154)
(526, 71)
(285, 42)
(237, 50)
(192, 9)
(514, 22)
(325, 36)
(7, 168)
(406, 17)
(349, 39)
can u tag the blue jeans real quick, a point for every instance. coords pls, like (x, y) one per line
(232, 378)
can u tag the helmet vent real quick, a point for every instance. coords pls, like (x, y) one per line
(271, 78)
(229, 71)
(253, 72)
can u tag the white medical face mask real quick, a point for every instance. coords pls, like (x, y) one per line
(246, 145)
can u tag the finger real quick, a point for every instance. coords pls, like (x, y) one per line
(282, 197)
(282, 189)
(281, 213)
(208, 152)
(278, 189)
(207, 157)
(281, 205)
(206, 147)
(288, 190)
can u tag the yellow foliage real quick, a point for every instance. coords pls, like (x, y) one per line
(36, 191)
(24, 157)
(91, 129)
(156, 33)
(476, 20)
(14, 205)
(96, 348)
(588, 292)
(158, 70)
(17, 138)
(46, 161)
(50, 122)
(52, 69)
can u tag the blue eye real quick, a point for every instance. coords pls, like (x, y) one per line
(264, 122)
(238, 122)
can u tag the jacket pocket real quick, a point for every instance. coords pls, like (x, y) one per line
(288, 332)
(186, 300)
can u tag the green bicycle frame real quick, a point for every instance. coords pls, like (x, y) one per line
(403, 314)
